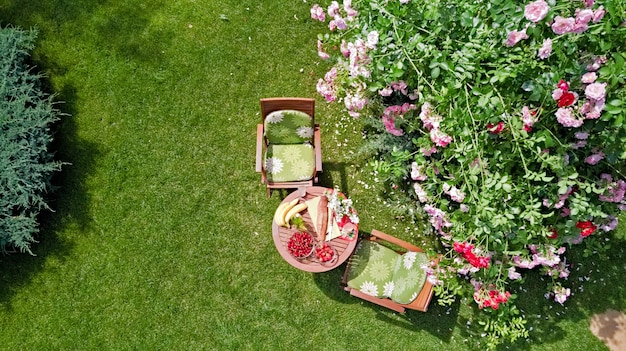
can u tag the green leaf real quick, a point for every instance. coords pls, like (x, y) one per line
(434, 73)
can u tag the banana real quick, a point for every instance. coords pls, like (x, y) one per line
(279, 216)
(292, 212)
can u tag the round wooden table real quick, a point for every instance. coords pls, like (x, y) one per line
(281, 236)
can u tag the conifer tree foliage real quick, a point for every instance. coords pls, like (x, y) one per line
(26, 164)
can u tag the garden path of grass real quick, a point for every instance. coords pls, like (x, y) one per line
(161, 236)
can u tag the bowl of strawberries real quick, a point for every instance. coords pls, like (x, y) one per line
(301, 245)
(325, 254)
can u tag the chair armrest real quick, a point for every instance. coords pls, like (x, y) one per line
(317, 141)
(382, 302)
(408, 246)
(259, 147)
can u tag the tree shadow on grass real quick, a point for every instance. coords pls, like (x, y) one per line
(69, 201)
(335, 174)
(117, 26)
(114, 26)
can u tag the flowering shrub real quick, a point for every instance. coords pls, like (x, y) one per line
(502, 123)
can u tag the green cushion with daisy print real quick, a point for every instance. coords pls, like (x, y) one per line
(408, 277)
(371, 268)
(289, 163)
(288, 127)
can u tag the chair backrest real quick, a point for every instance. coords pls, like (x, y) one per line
(288, 120)
(269, 105)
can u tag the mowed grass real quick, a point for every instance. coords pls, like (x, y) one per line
(161, 235)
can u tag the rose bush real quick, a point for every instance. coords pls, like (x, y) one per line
(502, 124)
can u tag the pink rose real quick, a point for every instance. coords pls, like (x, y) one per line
(327, 90)
(331, 75)
(584, 16)
(557, 93)
(372, 40)
(422, 195)
(515, 37)
(597, 62)
(595, 91)
(586, 107)
(385, 91)
(563, 25)
(594, 158)
(536, 11)
(581, 135)
(340, 23)
(345, 51)
(598, 14)
(390, 125)
(589, 77)
(333, 9)
(439, 138)
(399, 86)
(545, 50)
(579, 27)
(589, 3)
(528, 117)
(320, 51)
(428, 152)
(417, 172)
(596, 109)
(317, 13)
(347, 5)
(565, 117)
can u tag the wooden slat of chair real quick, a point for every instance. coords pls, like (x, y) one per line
(269, 105)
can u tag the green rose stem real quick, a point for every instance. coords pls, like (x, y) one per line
(398, 38)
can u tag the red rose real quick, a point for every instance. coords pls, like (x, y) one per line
(463, 248)
(586, 228)
(563, 85)
(567, 99)
(554, 234)
(588, 231)
(495, 129)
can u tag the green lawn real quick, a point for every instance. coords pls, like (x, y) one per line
(161, 239)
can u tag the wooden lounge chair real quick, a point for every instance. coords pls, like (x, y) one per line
(386, 277)
(288, 148)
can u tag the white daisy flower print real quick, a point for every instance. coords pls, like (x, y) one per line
(305, 132)
(414, 296)
(274, 117)
(408, 259)
(375, 254)
(379, 270)
(293, 154)
(388, 288)
(369, 288)
(400, 285)
(273, 165)
(413, 277)
(302, 169)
